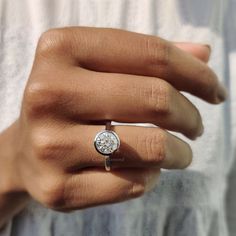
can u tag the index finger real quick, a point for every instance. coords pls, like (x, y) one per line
(119, 51)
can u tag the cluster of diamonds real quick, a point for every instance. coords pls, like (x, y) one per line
(106, 142)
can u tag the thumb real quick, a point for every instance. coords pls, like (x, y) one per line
(200, 51)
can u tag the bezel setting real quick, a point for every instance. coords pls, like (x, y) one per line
(106, 142)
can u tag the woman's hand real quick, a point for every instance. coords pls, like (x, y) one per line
(81, 78)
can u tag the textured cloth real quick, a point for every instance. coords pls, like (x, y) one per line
(199, 201)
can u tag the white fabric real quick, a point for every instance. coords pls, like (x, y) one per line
(199, 201)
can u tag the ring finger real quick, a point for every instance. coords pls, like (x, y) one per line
(140, 147)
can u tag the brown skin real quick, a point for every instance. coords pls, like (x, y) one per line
(82, 77)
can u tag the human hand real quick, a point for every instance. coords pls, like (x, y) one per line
(81, 78)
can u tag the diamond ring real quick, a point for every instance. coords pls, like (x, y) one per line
(107, 142)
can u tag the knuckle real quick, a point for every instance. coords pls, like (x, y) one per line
(156, 51)
(44, 148)
(34, 91)
(39, 97)
(49, 144)
(51, 42)
(154, 146)
(159, 98)
(53, 193)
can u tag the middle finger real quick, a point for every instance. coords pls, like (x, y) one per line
(95, 96)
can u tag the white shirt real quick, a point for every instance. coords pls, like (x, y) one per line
(198, 201)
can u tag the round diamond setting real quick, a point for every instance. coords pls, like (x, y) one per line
(106, 142)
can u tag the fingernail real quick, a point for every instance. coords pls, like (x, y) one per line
(201, 131)
(208, 46)
(222, 93)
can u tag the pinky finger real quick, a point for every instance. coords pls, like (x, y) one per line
(95, 186)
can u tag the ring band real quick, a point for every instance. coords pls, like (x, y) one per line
(107, 163)
(107, 142)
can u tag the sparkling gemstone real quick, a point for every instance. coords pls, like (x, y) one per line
(106, 142)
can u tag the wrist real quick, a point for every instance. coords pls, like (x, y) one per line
(10, 181)
(13, 197)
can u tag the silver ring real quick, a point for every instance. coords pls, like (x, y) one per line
(107, 142)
